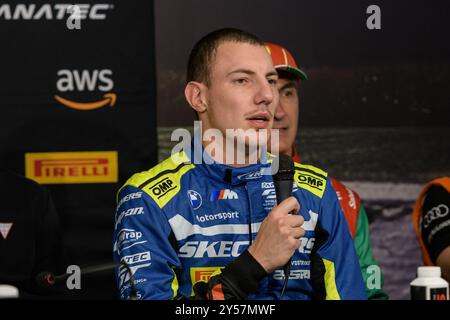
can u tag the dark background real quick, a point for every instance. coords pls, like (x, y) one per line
(31, 53)
(396, 76)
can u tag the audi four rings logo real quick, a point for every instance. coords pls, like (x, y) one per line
(439, 211)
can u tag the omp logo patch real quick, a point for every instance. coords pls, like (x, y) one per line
(72, 167)
(163, 182)
(162, 187)
(70, 81)
(202, 274)
(310, 182)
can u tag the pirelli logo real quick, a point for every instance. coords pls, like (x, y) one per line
(202, 274)
(72, 167)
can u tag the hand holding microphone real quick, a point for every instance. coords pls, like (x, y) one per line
(280, 233)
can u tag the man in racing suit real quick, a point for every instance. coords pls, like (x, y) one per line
(431, 217)
(286, 120)
(212, 230)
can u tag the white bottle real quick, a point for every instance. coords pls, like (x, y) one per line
(429, 285)
(8, 292)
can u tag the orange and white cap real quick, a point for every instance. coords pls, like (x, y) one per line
(283, 60)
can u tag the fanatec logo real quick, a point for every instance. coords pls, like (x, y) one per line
(57, 11)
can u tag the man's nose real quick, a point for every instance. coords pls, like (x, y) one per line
(279, 112)
(266, 93)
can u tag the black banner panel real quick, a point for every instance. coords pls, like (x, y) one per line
(77, 111)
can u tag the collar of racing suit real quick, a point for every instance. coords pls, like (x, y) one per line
(225, 173)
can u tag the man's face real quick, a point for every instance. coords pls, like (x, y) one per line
(242, 93)
(286, 114)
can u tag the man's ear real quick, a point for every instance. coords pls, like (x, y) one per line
(195, 96)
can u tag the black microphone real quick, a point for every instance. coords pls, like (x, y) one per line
(47, 279)
(283, 181)
(284, 178)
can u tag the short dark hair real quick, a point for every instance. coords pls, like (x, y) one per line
(204, 51)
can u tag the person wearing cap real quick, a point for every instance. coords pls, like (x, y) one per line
(431, 217)
(286, 121)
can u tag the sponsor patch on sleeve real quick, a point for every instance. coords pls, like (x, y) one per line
(310, 178)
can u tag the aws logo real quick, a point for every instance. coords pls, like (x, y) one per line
(85, 80)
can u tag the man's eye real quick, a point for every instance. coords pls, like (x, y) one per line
(273, 81)
(287, 93)
(241, 81)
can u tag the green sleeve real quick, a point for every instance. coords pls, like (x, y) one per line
(371, 271)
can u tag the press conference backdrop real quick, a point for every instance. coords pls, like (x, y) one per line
(78, 112)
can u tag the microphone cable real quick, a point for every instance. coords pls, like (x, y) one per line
(133, 291)
(286, 279)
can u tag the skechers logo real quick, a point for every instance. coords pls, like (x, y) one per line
(216, 249)
(128, 197)
(225, 194)
(162, 187)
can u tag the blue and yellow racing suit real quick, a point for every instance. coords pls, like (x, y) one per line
(184, 229)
